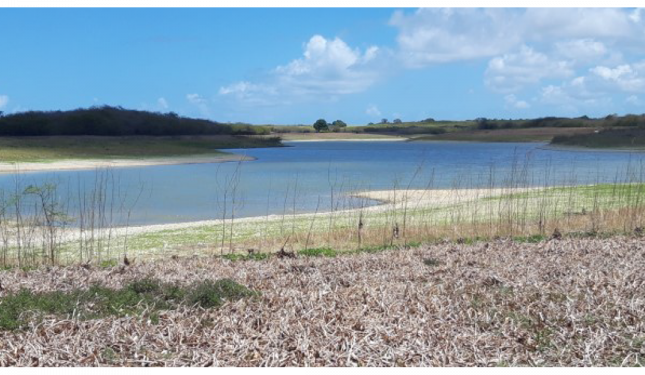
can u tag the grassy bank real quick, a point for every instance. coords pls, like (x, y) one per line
(58, 148)
(628, 139)
(336, 136)
(405, 217)
(492, 130)
(505, 135)
(509, 213)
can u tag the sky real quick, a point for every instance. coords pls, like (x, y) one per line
(293, 66)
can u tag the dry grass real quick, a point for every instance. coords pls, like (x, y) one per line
(560, 302)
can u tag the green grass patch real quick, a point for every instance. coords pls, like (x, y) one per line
(24, 306)
(608, 138)
(319, 252)
(244, 257)
(48, 149)
(431, 262)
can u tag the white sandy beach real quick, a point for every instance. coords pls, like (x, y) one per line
(89, 164)
(391, 139)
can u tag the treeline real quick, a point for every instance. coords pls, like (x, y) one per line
(116, 121)
(611, 121)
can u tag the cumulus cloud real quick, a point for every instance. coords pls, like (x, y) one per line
(581, 50)
(513, 102)
(543, 23)
(512, 71)
(195, 99)
(626, 77)
(430, 36)
(442, 35)
(528, 47)
(577, 54)
(575, 95)
(327, 68)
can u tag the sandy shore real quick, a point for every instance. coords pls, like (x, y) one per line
(85, 164)
(432, 198)
(393, 139)
(389, 199)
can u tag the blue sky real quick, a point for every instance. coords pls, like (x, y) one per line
(290, 66)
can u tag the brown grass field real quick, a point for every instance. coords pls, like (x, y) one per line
(560, 302)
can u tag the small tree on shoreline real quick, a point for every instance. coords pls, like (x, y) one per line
(321, 126)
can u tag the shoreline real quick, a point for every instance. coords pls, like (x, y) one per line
(398, 139)
(89, 164)
(386, 200)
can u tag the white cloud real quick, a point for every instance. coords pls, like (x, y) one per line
(163, 103)
(442, 35)
(4, 100)
(576, 55)
(581, 50)
(195, 99)
(575, 96)
(250, 93)
(199, 102)
(512, 71)
(513, 102)
(626, 77)
(328, 67)
(544, 23)
(372, 111)
(430, 36)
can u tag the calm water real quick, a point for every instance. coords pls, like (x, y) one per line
(304, 175)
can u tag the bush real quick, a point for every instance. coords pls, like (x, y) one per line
(321, 126)
(209, 294)
(339, 124)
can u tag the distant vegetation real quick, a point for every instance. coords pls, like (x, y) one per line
(116, 121)
(39, 149)
(321, 126)
(608, 131)
(608, 138)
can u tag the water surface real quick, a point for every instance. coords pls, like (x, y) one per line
(303, 177)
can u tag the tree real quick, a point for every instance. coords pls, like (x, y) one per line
(321, 126)
(397, 121)
(339, 123)
(384, 121)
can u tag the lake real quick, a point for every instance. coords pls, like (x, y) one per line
(304, 176)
